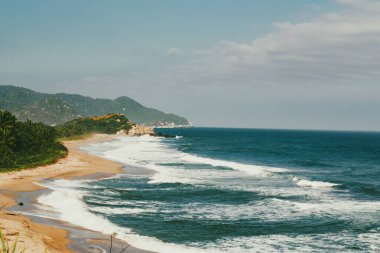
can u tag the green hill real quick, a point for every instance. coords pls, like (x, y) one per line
(108, 124)
(58, 108)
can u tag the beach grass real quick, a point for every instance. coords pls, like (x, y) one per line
(8, 249)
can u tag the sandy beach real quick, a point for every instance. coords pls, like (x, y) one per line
(34, 236)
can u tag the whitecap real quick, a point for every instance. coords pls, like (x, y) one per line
(152, 153)
(313, 184)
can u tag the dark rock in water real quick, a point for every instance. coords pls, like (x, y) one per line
(21, 203)
(164, 135)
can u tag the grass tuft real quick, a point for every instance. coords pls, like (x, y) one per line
(12, 249)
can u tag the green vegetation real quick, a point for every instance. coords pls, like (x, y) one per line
(53, 109)
(27, 144)
(8, 249)
(108, 124)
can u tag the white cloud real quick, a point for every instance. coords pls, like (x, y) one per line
(334, 49)
(323, 73)
(174, 51)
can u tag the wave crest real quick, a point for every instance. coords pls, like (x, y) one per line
(313, 184)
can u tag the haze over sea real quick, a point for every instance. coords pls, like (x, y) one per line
(233, 190)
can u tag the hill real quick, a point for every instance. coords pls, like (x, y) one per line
(109, 124)
(58, 108)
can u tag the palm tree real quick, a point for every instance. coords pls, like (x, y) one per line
(7, 125)
(7, 120)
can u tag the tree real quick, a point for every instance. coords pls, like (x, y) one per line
(27, 144)
(7, 129)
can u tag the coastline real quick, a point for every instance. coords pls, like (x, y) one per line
(48, 234)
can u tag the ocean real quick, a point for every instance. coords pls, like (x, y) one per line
(233, 190)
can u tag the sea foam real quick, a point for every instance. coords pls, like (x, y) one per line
(170, 166)
(66, 200)
(313, 184)
(154, 153)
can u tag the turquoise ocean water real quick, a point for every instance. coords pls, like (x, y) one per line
(234, 190)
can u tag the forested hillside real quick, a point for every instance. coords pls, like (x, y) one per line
(53, 109)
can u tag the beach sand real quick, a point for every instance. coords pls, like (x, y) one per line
(38, 236)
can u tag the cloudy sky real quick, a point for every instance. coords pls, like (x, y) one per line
(298, 64)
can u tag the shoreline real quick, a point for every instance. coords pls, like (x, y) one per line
(54, 235)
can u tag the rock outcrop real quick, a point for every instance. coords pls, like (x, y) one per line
(138, 130)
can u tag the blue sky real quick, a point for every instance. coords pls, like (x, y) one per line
(53, 35)
(277, 64)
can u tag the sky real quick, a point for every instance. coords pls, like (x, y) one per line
(292, 64)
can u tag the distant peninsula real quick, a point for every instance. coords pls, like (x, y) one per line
(54, 109)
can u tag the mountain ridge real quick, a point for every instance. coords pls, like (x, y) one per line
(58, 108)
